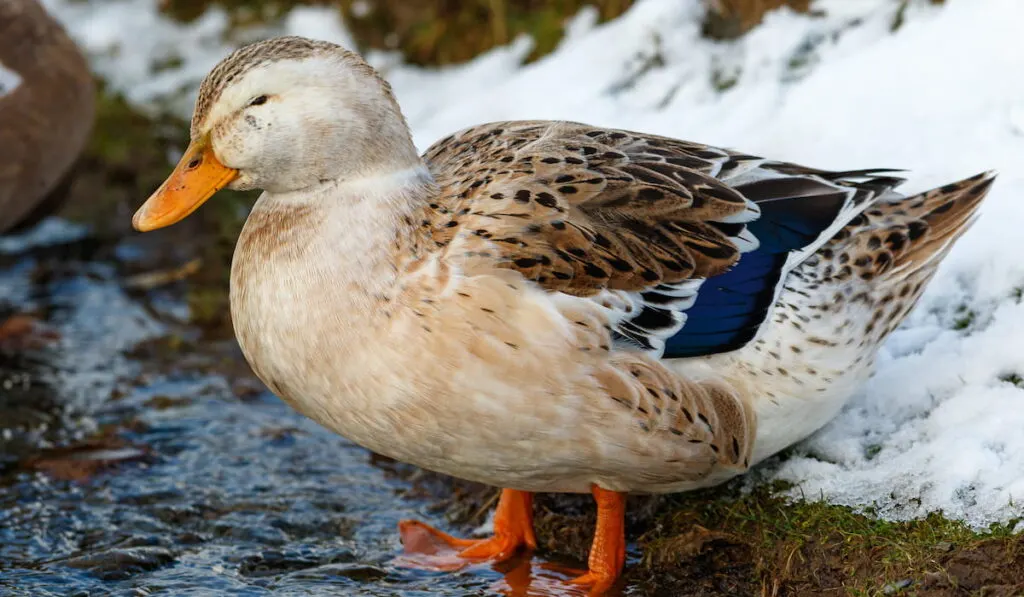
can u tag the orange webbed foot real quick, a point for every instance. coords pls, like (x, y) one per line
(513, 532)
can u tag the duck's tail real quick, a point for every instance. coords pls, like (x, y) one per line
(879, 263)
(907, 236)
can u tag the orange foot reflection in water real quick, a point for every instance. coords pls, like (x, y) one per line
(24, 332)
(522, 575)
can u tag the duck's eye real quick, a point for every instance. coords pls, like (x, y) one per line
(258, 101)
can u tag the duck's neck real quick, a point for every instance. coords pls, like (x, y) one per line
(343, 240)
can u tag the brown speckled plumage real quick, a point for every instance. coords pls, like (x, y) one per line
(46, 119)
(579, 209)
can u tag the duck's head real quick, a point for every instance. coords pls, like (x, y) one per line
(283, 115)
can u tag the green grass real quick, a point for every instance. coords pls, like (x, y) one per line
(807, 545)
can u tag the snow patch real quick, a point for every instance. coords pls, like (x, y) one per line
(9, 80)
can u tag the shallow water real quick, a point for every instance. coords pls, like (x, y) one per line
(176, 475)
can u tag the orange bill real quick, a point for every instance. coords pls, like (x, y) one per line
(194, 180)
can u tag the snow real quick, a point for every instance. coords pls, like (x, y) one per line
(940, 425)
(9, 80)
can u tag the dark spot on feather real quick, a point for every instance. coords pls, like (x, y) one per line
(497, 196)
(594, 271)
(522, 196)
(565, 178)
(558, 225)
(547, 200)
(452, 224)
(551, 160)
(687, 414)
(525, 262)
(568, 190)
(649, 194)
(917, 229)
(620, 264)
(571, 160)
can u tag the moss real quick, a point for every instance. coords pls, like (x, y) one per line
(964, 318)
(1013, 378)
(808, 547)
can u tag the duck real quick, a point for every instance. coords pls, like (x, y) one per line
(47, 110)
(544, 306)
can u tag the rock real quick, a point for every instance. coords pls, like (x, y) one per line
(119, 564)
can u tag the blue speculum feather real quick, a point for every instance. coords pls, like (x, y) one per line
(732, 306)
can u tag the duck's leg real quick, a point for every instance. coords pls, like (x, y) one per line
(513, 529)
(608, 552)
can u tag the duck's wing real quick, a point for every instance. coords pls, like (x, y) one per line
(698, 237)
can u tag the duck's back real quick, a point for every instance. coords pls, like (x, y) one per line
(46, 108)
